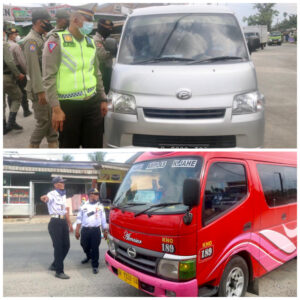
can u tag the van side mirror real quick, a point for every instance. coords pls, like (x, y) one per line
(103, 193)
(191, 192)
(111, 45)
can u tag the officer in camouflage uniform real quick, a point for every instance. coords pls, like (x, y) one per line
(32, 46)
(74, 84)
(11, 75)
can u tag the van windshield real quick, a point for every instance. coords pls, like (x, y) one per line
(157, 183)
(181, 38)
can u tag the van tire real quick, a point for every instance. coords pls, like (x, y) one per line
(236, 268)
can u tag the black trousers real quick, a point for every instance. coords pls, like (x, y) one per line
(83, 126)
(90, 242)
(59, 232)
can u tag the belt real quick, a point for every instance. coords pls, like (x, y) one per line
(58, 216)
(7, 73)
(90, 227)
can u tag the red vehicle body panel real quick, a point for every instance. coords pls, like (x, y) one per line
(270, 241)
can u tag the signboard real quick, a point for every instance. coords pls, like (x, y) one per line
(112, 176)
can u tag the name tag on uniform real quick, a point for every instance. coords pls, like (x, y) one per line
(68, 40)
(89, 42)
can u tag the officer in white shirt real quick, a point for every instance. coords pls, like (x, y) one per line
(59, 225)
(89, 219)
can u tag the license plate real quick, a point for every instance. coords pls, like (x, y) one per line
(128, 278)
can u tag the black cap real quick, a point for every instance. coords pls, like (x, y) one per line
(93, 191)
(105, 23)
(11, 31)
(58, 179)
(40, 14)
(62, 13)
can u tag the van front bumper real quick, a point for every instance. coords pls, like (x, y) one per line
(157, 286)
(245, 131)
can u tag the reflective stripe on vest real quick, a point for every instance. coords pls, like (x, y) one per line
(76, 78)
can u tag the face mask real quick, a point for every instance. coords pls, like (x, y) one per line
(47, 26)
(104, 32)
(18, 38)
(86, 28)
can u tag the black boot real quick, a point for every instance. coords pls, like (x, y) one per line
(12, 122)
(25, 106)
(5, 128)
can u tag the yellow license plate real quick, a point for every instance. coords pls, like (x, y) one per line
(128, 278)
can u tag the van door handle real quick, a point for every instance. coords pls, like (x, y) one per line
(247, 226)
(283, 216)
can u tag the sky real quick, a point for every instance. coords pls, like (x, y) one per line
(244, 9)
(78, 154)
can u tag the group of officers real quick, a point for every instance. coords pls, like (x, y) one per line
(89, 219)
(65, 72)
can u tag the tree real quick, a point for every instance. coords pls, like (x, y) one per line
(67, 157)
(265, 15)
(285, 15)
(97, 156)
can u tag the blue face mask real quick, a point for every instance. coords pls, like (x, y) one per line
(61, 192)
(86, 28)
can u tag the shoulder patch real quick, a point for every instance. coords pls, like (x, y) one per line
(68, 38)
(89, 42)
(99, 45)
(51, 46)
(32, 46)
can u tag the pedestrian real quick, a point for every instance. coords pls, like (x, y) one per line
(11, 75)
(32, 46)
(59, 225)
(90, 217)
(13, 38)
(62, 17)
(105, 57)
(74, 84)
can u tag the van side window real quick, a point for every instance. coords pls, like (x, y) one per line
(279, 184)
(226, 185)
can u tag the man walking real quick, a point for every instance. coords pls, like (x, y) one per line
(89, 219)
(32, 46)
(13, 37)
(59, 225)
(73, 83)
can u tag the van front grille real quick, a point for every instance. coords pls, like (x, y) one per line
(225, 141)
(184, 114)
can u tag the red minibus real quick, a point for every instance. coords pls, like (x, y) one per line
(204, 223)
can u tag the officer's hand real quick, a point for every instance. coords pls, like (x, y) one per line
(44, 198)
(77, 235)
(58, 117)
(21, 77)
(71, 227)
(103, 108)
(105, 234)
(42, 98)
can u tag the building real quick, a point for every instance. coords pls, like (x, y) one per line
(26, 179)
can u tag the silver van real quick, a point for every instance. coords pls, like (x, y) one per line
(183, 78)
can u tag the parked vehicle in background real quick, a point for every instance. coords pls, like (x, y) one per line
(253, 41)
(183, 78)
(275, 38)
(204, 223)
(261, 31)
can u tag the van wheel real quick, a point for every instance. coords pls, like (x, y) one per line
(235, 278)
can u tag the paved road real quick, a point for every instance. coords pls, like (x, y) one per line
(28, 252)
(277, 78)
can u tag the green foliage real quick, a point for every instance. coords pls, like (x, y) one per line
(67, 157)
(97, 156)
(265, 15)
(287, 23)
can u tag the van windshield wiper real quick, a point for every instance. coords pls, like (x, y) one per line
(163, 58)
(212, 59)
(156, 205)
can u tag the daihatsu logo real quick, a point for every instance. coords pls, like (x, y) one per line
(184, 94)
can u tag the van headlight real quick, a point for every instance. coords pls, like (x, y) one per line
(178, 270)
(111, 245)
(248, 103)
(121, 103)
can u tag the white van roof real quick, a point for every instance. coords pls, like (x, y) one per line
(173, 9)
